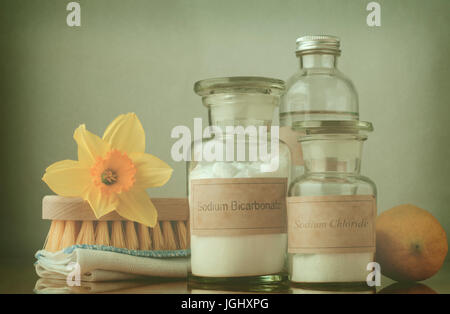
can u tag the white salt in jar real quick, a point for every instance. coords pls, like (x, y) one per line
(238, 198)
(331, 208)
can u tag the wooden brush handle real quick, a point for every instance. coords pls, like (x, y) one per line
(56, 207)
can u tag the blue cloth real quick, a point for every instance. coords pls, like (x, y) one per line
(152, 253)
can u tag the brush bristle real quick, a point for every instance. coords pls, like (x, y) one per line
(158, 240)
(166, 235)
(70, 234)
(49, 238)
(81, 233)
(117, 235)
(188, 234)
(102, 233)
(182, 234)
(54, 236)
(86, 234)
(170, 243)
(145, 242)
(131, 238)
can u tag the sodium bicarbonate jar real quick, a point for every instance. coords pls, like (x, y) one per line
(332, 207)
(237, 185)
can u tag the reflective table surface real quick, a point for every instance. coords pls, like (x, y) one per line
(18, 276)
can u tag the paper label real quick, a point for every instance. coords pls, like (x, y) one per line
(238, 206)
(290, 137)
(331, 224)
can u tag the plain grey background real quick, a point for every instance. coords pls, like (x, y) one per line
(144, 56)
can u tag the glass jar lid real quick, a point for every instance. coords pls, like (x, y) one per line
(318, 44)
(311, 127)
(240, 84)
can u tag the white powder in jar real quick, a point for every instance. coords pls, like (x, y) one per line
(243, 255)
(336, 267)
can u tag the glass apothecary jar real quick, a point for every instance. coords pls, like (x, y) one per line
(317, 91)
(238, 198)
(331, 208)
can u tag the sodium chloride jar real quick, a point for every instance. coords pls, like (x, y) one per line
(332, 207)
(237, 185)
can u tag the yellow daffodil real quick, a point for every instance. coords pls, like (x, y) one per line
(112, 173)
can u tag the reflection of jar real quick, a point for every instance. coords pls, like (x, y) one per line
(317, 91)
(332, 288)
(331, 208)
(237, 206)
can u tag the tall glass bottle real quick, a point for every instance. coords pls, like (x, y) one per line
(317, 91)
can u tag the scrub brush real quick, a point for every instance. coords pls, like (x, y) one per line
(73, 222)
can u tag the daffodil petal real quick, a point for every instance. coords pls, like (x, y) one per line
(126, 134)
(150, 170)
(90, 146)
(63, 164)
(67, 178)
(135, 205)
(101, 204)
